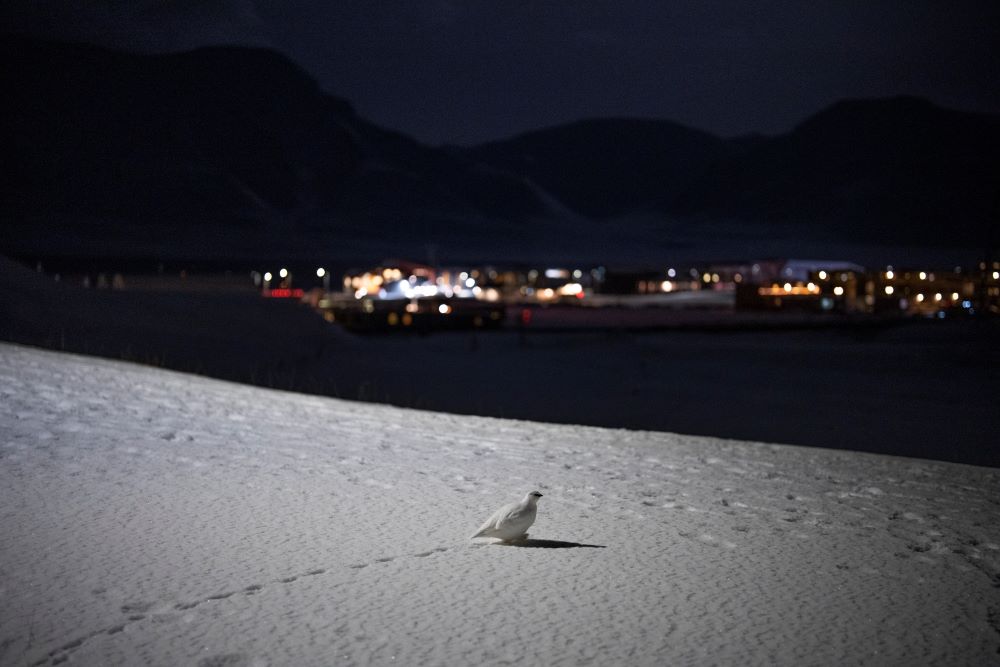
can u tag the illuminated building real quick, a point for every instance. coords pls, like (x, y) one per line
(803, 285)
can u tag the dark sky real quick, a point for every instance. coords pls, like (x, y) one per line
(468, 71)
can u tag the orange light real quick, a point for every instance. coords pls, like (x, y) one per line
(797, 290)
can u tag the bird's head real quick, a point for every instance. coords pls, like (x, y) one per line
(533, 496)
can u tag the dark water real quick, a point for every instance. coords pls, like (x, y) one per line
(924, 389)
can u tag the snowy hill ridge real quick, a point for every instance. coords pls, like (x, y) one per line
(152, 517)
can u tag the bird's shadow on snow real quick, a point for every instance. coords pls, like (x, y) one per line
(550, 544)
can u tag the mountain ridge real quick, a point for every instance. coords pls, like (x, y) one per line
(238, 150)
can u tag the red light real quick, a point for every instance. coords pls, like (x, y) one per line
(284, 293)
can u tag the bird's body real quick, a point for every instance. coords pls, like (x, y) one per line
(511, 522)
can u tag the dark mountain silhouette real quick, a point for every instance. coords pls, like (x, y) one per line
(213, 137)
(889, 170)
(108, 151)
(236, 152)
(898, 170)
(606, 167)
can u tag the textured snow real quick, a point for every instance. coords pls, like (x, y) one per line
(152, 517)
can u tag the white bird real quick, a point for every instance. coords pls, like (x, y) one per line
(511, 522)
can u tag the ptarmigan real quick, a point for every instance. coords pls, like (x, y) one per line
(512, 521)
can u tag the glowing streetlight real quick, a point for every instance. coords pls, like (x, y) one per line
(283, 273)
(267, 277)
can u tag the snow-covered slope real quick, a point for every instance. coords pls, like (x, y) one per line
(150, 517)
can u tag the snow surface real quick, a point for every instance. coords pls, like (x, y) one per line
(152, 517)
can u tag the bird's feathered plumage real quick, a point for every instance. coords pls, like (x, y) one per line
(511, 521)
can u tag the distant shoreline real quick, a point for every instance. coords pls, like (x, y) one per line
(922, 389)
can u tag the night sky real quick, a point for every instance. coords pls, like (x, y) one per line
(469, 71)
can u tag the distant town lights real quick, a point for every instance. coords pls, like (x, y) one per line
(923, 275)
(283, 273)
(320, 272)
(822, 275)
(838, 290)
(267, 277)
(890, 275)
(889, 289)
